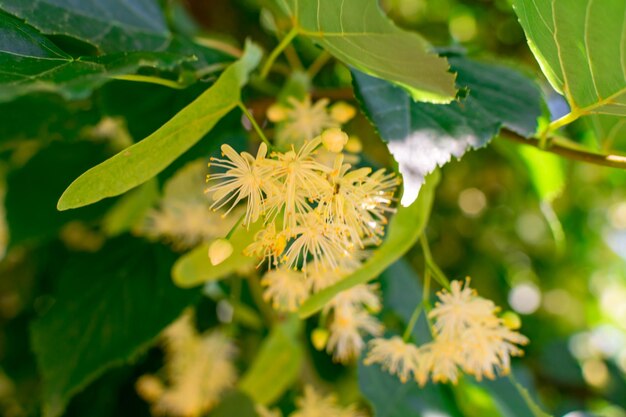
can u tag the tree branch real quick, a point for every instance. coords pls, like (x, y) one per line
(562, 148)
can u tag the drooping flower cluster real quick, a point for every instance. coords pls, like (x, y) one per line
(312, 404)
(301, 120)
(183, 216)
(199, 369)
(318, 222)
(468, 336)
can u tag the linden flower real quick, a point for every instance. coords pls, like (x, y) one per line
(199, 370)
(303, 120)
(183, 216)
(243, 179)
(317, 240)
(395, 356)
(461, 308)
(286, 288)
(312, 404)
(267, 245)
(362, 295)
(302, 181)
(346, 329)
(468, 336)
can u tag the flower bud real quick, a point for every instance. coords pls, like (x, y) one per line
(219, 251)
(319, 338)
(342, 112)
(149, 387)
(511, 320)
(276, 113)
(334, 139)
(354, 145)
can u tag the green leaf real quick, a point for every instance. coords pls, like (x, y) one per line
(195, 268)
(512, 398)
(545, 170)
(233, 404)
(391, 398)
(108, 308)
(111, 26)
(405, 228)
(32, 216)
(374, 45)
(423, 136)
(140, 162)
(580, 46)
(130, 209)
(32, 63)
(276, 366)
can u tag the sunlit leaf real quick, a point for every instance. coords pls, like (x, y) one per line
(405, 228)
(109, 307)
(276, 366)
(374, 45)
(580, 46)
(143, 160)
(195, 268)
(423, 136)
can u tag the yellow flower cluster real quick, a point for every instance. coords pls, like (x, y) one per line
(315, 216)
(183, 216)
(199, 370)
(468, 337)
(301, 120)
(319, 219)
(312, 404)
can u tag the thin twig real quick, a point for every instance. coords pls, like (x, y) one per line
(258, 129)
(277, 51)
(562, 148)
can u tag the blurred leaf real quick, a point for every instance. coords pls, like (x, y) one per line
(373, 44)
(610, 131)
(512, 399)
(580, 48)
(33, 188)
(111, 26)
(423, 136)
(234, 404)
(45, 117)
(195, 268)
(130, 209)
(391, 398)
(545, 170)
(32, 63)
(406, 226)
(277, 364)
(142, 161)
(108, 308)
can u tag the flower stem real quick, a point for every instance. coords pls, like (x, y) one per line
(431, 265)
(277, 51)
(257, 128)
(412, 322)
(150, 79)
(318, 64)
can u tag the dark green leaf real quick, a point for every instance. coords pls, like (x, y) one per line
(32, 190)
(405, 228)
(32, 63)
(140, 162)
(373, 44)
(391, 398)
(108, 308)
(111, 26)
(279, 360)
(235, 404)
(424, 136)
(580, 48)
